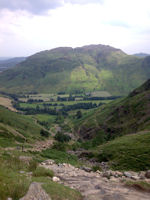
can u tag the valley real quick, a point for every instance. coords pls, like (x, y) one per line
(75, 125)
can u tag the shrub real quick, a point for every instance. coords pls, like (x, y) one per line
(62, 137)
(44, 133)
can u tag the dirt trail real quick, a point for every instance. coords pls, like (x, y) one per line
(95, 187)
(40, 145)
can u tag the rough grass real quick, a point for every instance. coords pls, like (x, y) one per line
(41, 171)
(17, 127)
(60, 192)
(130, 152)
(60, 156)
(12, 183)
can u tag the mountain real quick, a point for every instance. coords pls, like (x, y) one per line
(4, 58)
(126, 116)
(11, 62)
(141, 55)
(84, 69)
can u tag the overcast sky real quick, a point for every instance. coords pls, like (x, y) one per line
(29, 26)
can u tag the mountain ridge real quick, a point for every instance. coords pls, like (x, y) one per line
(77, 70)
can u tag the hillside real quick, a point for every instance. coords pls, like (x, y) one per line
(84, 69)
(11, 62)
(16, 128)
(141, 55)
(125, 116)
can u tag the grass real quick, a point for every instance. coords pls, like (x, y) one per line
(17, 127)
(60, 156)
(130, 152)
(41, 171)
(60, 192)
(15, 184)
(12, 183)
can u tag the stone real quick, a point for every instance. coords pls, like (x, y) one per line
(56, 179)
(135, 178)
(127, 174)
(87, 169)
(49, 162)
(107, 174)
(147, 174)
(118, 173)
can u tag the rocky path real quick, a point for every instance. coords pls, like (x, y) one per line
(93, 186)
(36, 192)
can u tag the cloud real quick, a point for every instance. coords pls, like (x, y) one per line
(40, 6)
(118, 23)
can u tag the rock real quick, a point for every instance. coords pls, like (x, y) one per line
(135, 178)
(127, 174)
(114, 179)
(119, 174)
(36, 192)
(147, 174)
(9, 198)
(56, 179)
(99, 172)
(48, 162)
(107, 174)
(141, 175)
(87, 169)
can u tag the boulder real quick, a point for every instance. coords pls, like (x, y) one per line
(127, 174)
(56, 179)
(147, 174)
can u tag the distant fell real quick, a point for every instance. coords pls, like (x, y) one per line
(6, 63)
(77, 70)
(141, 55)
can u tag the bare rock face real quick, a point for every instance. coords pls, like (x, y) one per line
(36, 192)
(147, 174)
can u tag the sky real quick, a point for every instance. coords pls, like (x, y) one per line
(30, 26)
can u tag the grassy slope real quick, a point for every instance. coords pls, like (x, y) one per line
(130, 152)
(90, 68)
(16, 127)
(128, 115)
